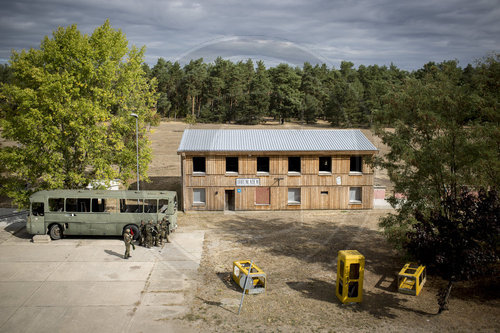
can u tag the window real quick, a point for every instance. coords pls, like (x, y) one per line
(325, 164)
(78, 205)
(294, 196)
(163, 204)
(56, 204)
(263, 164)
(151, 206)
(104, 205)
(324, 192)
(37, 208)
(356, 164)
(131, 205)
(199, 196)
(294, 164)
(98, 205)
(262, 196)
(110, 205)
(355, 195)
(199, 164)
(232, 164)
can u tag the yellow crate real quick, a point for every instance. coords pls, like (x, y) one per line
(257, 281)
(411, 279)
(350, 275)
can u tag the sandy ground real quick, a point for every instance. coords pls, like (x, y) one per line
(298, 251)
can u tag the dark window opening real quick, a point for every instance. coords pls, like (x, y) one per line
(262, 164)
(356, 164)
(199, 164)
(354, 271)
(163, 205)
(352, 289)
(294, 164)
(98, 205)
(324, 192)
(325, 164)
(232, 164)
(78, 205)
(150, 206)
(56, 204)
(37, 209)
(131, 205)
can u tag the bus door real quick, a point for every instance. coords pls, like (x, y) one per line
(36, 219)
(103, 218)
(78, 217)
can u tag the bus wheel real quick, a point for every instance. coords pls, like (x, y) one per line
(55, 232)
(133, 230)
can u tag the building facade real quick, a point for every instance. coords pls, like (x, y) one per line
(276, 169)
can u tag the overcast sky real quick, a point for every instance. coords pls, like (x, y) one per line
(366, 32)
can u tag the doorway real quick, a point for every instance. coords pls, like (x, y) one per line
(229, 200)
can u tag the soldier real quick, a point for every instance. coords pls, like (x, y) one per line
(166, 231)
(142, 233)
(155, 235)
(161, 234)
(149, 234)
(127, 238)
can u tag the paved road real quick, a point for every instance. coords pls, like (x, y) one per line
(84, 285)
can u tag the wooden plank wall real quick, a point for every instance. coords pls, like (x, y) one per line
(215, 181)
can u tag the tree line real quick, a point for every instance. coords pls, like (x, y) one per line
(246, 92)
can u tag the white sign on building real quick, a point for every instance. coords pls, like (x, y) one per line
(247, 182)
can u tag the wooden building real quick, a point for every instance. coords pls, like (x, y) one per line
(276, 169)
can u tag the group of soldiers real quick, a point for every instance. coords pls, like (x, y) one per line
(154, 234)
(150, 235)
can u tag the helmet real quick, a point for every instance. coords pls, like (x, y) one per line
(127, 231)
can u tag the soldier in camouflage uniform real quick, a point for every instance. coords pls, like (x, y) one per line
(155, 234)
(127, 239)
(142, 234)
(166, 231)
(149, 234)
(159, 227)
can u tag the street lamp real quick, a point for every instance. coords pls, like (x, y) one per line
(137, 144)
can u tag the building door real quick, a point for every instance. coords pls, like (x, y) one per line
(229, 200)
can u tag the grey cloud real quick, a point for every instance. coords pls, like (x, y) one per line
(407, 33)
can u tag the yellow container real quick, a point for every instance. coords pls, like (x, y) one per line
(411, 279)
(256, 282)
(350, 274)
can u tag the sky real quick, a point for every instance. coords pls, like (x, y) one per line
(405, 33)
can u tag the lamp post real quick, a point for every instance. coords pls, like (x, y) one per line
(137, 144)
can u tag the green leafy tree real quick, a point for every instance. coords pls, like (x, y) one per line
(459, 240)
(443, 137)
(260, 91)
(312, 91)
(68, 109)
(344, 106)
(195, 74)
(286, 97)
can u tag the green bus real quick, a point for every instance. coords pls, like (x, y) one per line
(98, 212)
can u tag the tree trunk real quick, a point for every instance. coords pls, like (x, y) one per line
(444, 294)
(192, 106)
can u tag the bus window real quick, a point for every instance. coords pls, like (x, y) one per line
(56, 204)
(37, 208)
(98, 205)
(163, 204)
(150, 206)
(77, 205)
(110, 205)
(131, 205)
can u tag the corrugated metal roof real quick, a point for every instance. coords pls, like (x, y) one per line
(222, 140)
